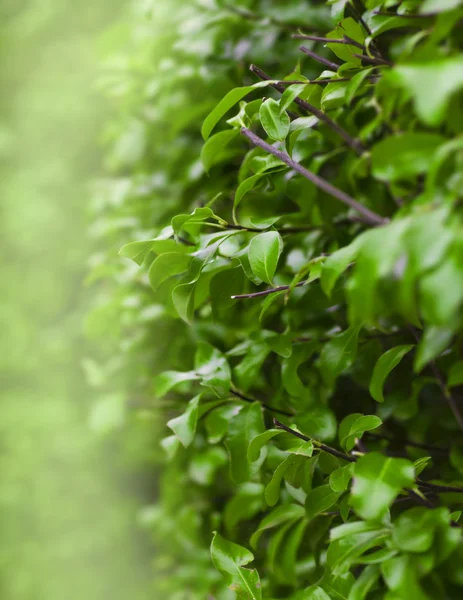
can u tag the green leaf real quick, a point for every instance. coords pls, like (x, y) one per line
(264, 252)
(169, 379)
(377, 482)
(211, 152)
(314, 592)
(184, 426)
(289, 95)
(404, 156)
(388, 361)
(415, 528)
(245, 186)
(340, 478)
(136, 251)
(259, 442)
(199, 215)
(337, 263)
(355, 84)
(364, 583)
(456, 374)
(167, 265)
(433, 342)
(275, 122)
(319, 500)
(431, 85)
(350, 429)
(280, 515)
(230, 559)
(227, 102)
(243, 428)
(338, 354)
(401, 576)
(272, 491)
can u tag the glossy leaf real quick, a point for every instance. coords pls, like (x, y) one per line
(264, 252)
(388, 361)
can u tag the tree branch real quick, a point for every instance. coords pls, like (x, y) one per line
(274, 290)
(374, 60)
(252, 400)
(370, 217)
(324, 61)
(353, 143)
(316, 38)
(323, 447)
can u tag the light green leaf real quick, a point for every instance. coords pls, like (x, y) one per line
(350, 429)
(289, 95)
(434, 341)
(378, 480)
(367, 579)
(169, 379)
(211, 152)
(264, 252)
(388, 361)
(136, 251)
(230, 559)
(338, 354)
(275, 123)
(227, 102)
(282, 514)
(272, 491)
(456, 374)
(355, 83)
(340, 478)
(243, 428)
(337, 263)
(245, 186)
(184, 426)
(167, 265)
(259, 442)
(431, 85)
(314, 592)
(404, 156)
(319, 500)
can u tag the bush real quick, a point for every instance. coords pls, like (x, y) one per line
(296, 318)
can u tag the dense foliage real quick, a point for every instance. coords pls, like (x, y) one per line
(292, 327)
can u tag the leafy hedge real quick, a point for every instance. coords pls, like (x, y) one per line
(296, 319)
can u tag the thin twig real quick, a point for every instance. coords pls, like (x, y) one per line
(316, 38)
(323, 447)
(441, 382)
(371, 217)
(374, 60)
(440, 488)
(382, 13)
(353, 143)
(252, 400)
(372, 78)
(324, 61)
(282, 230)
(274, 290)
(410, 443)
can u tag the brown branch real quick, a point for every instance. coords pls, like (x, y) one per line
(316, 38)
(323, 447)
(252, 400)
(274, 290)
(370, 217)
(374, 60)
(441, 382)
(440, 488)
(324, 61)
(321, 116)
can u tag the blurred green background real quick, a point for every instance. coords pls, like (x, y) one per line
(67, 503)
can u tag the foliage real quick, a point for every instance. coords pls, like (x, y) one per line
(295, 311)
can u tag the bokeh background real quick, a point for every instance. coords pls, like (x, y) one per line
(69, 495)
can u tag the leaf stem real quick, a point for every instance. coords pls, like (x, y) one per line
(370, 217)
(353, 143)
